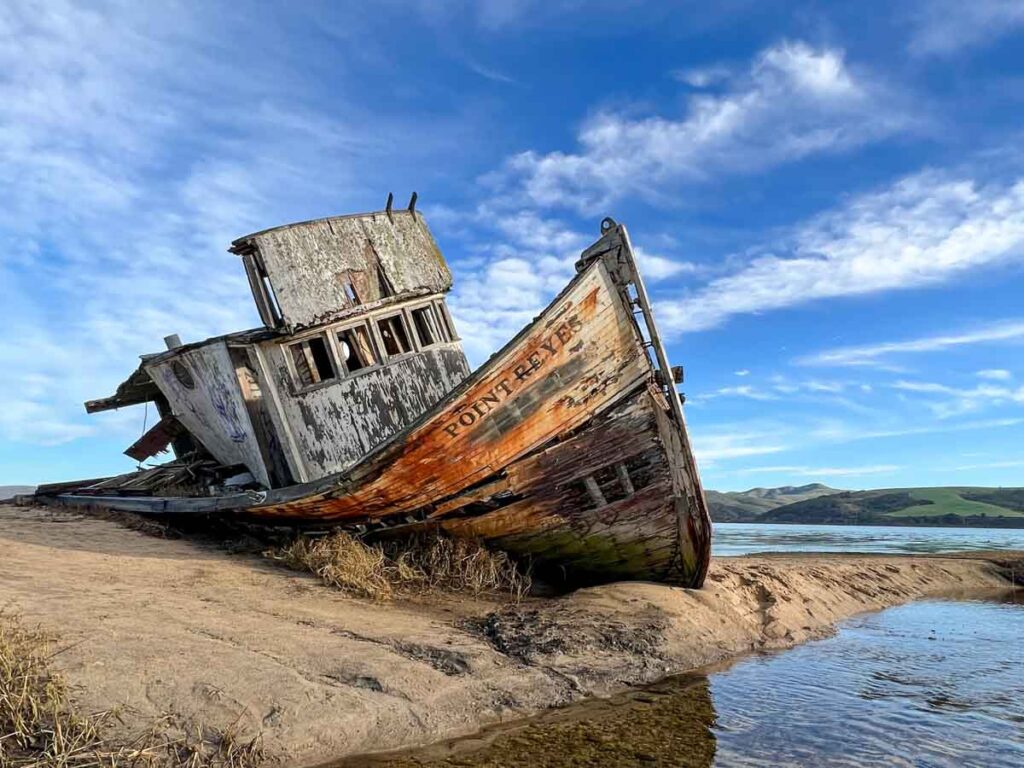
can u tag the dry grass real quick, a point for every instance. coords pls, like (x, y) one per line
(40, 728)
(380, 571)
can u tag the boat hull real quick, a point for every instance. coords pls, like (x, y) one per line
(568, 447)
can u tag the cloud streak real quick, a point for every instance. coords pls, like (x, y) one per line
(921, 231)
(944, 27)
(1004, 331)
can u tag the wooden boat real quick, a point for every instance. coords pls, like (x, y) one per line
(568, 446)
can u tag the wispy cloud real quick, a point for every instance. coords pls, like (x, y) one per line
(844, 433)
(1006, 464)
(958, 400)
(805, 471)
(490, 73)
(794, 101)
(711, 447)
(703, 77)
(745, 390)
(921, 231)
(655, 267)
(994, 374)
(943, 27)
(1003, 331)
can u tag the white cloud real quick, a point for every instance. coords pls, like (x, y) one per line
(943, 27)
(959, 400)
(515, 271)
(655, 268)
(994, 374)
(711, 447)
(805, 471)
(747, 391)
(490, 74)
(843, 433)
(921, 231)
(742, 372)
(1007, 330)
(794, 101)
(1007, 464)
(702, 77)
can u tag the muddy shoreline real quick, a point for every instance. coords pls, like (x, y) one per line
(156, 626)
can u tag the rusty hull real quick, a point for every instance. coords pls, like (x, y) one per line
(565, 447)
(508, 456)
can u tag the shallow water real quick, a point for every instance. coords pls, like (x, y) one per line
(745, 538)
(934, 683)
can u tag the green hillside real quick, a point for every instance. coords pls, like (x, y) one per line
(951, 501)
(904, 506)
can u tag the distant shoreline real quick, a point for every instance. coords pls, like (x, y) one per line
(995, 524)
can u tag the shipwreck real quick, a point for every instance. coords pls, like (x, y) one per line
(354, 406)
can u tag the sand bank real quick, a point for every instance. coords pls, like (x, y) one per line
(157, 626)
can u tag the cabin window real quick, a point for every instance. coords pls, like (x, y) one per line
(395, 335)
(350, 291)
(425, 322)
(356, 348)
(446, 321)
(312, 361)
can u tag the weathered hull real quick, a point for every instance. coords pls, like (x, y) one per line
(566, 446)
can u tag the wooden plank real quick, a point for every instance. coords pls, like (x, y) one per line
(156, 439)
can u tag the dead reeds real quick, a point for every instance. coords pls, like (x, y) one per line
(383, 570)
(40, 728)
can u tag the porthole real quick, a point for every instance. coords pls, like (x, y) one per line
(182, 374)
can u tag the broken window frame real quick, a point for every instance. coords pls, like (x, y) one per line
(615, 482)
(348, 289)
(446, 320)
(309, 357)
(434, 327)
(410, 342)
(374, 347)
(262, 290)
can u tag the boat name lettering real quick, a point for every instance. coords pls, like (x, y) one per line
(533, 362)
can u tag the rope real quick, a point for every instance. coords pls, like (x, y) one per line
(145, 422)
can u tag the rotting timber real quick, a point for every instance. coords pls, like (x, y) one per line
(354, 407)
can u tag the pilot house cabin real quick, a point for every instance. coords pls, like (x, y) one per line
(356, 344)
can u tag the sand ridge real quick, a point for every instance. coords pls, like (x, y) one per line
(158, 626)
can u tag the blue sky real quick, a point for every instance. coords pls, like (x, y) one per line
(828, 201)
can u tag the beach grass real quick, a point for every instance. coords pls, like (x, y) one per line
(386, 569)
(41, 728)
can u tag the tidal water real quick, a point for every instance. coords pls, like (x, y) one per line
(933, 683)
(746, 538)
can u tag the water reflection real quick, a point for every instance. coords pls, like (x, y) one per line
(937, 683)
(669, 723)
(934, 683)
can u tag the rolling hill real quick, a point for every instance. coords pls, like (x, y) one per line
(748, 506)
(976, 507)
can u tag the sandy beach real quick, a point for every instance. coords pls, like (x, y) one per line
(155, 627)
